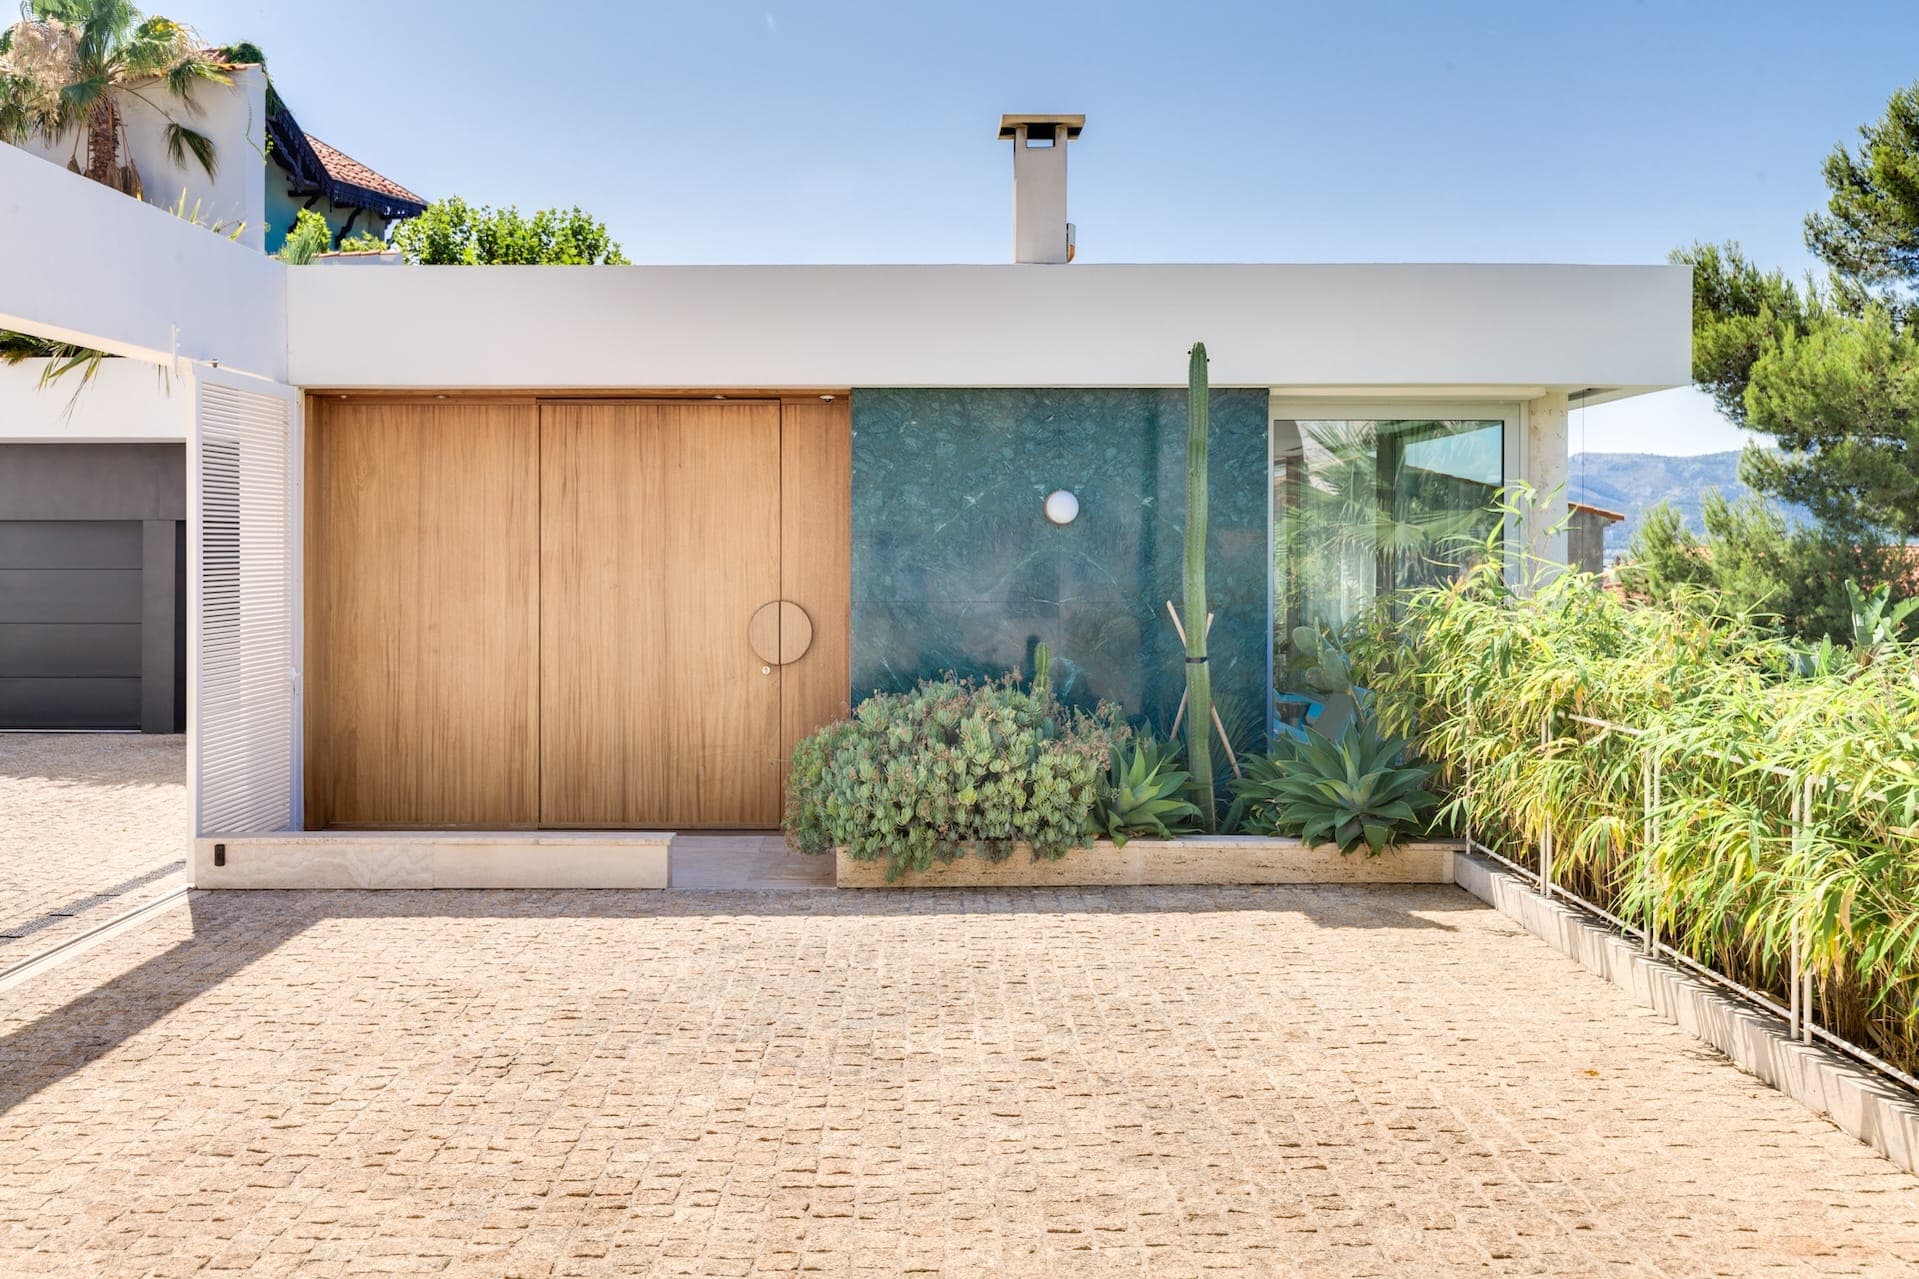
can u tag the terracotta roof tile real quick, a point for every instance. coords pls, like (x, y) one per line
(344, 168)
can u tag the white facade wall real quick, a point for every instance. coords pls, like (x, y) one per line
(127, 402)
(233, 115)
(1376, 326)
(144, 283)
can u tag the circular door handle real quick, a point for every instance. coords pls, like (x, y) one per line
(779, 632)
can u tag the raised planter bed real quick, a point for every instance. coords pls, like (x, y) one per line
(1199, 859)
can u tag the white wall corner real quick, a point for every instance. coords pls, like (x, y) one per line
(1544, 469)
(250, 154)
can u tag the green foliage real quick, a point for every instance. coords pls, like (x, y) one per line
(1870, 230)
(1737, 721)
(1199, 678)
(66, 65)
(1143, 796)
(363, 242)
(1754, 565)
(1351, 790)
(1877, 620)
(309, 238)
(454, 233)
(1829, 368)
(950, 767)
(1324, 667)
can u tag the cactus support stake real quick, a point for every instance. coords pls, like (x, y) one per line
(1180, 714)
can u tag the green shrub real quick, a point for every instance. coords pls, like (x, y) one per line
(309, 238)
(1144, 794)
(1351, 790)
(452, 232)
(951, 767)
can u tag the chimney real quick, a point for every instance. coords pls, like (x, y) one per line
(1041, 232)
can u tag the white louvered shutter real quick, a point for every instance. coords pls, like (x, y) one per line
(245, 713)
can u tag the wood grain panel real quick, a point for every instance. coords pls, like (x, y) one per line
(422, 614)
(660, 538)
(816, 561)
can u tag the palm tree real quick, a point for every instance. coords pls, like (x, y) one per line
(66, 64)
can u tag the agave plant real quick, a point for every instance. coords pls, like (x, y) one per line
(1352, 789)
(1143, 795)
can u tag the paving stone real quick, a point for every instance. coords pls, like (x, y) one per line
(1138, 1082)
(91, 825)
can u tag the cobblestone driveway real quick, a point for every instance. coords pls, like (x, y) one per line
(1126, 1082)
(91, 825)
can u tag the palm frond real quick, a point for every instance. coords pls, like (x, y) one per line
(189, 71)
(181, 141)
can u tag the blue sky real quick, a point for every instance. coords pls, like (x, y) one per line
(825, 131)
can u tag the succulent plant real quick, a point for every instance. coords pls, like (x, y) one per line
(1144, 795)
(1351, 790)
(1331, 671)
(951, 767)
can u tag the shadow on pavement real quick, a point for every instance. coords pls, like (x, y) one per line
(233, 929)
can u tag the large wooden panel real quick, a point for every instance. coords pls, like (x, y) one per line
(422, 614)
(660, 538)
(816, 562)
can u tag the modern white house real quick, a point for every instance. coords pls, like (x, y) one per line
(571, 558)
(93, 487)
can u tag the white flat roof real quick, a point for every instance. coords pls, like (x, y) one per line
(152, 286)
(1568, 327)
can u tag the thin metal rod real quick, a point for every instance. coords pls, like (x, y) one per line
(1805, 798)
(1682, 960)
(1654, 798)
(55, 955)
(1546, 835)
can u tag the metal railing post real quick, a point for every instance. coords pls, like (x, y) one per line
(1802, 839)
(1546, 835)
(1466, 781)
(1649, 798)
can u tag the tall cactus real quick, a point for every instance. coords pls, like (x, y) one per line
(1199, 679)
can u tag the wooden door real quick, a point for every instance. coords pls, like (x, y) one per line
(816, 561)
(660, 537)
(422, 614)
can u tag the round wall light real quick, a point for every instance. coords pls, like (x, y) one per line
(1061, 507)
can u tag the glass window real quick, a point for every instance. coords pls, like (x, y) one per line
(1363, 507)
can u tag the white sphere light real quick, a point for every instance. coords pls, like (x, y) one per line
(1061, 507)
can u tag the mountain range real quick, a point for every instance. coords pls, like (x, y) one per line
(1634, 483)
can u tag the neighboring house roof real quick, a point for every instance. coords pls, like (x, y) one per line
(314, 168)
(343, 168)
(1611, 517)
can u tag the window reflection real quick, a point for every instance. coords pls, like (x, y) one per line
(1362, 508)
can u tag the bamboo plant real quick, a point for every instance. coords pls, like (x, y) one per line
(1759, 811)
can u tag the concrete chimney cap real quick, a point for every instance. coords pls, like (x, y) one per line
(1044, 127)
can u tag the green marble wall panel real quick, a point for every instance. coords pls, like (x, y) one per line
(956, 568)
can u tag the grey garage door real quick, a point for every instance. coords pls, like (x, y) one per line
(70, 599)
